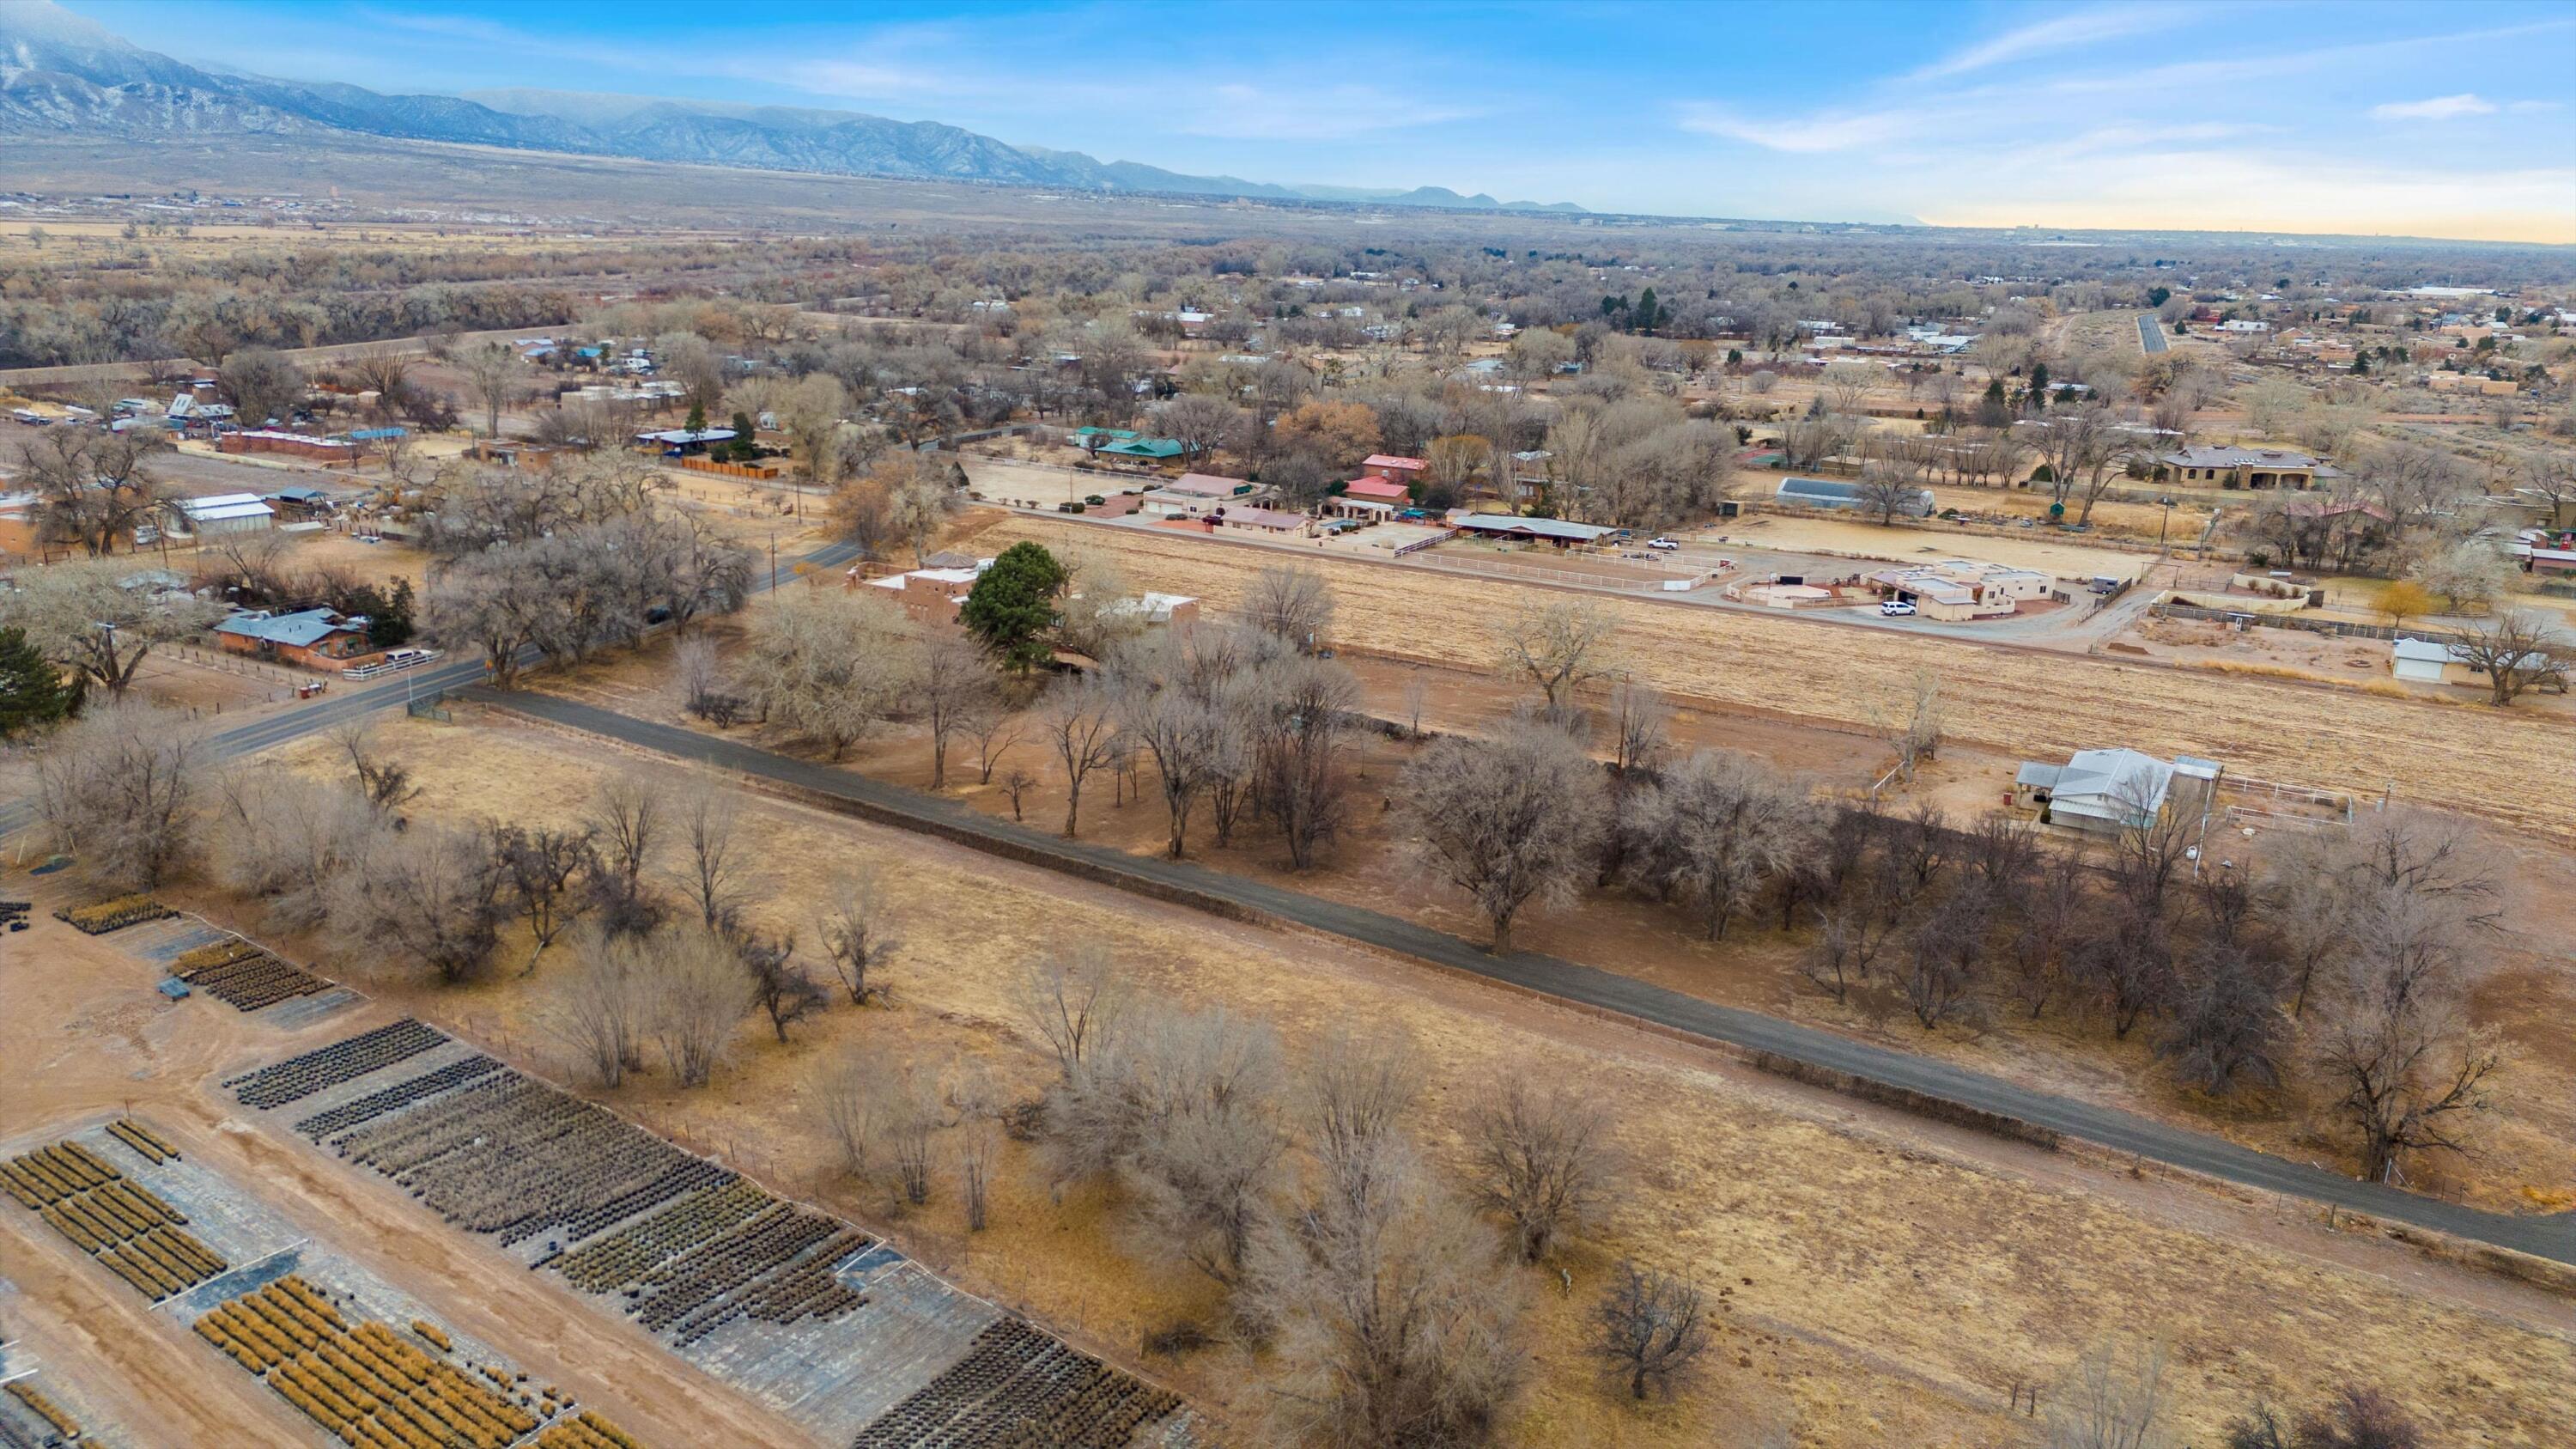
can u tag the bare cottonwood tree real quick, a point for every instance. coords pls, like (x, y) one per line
(285, 842)
(717, 868)
(2517, 652)
(83, 615)
(1915, 723)
(119, 788)
(1294, 606)
(830, 664)
(1539, 1156)
(851, 1092)
(1511, 822)
(1640, 726)
(1080, 718)
(2113, 1398)
(954, 690)
(2409, 1070)
(599, 1008)
(1181, 729)
(780, 985)
(996, 729)
(1649, 1328)
(1074, 999)
(1561, 644)
(1183, 1107)
(547, 866)
(628, 817)
(1393, 1318)
(433, 895)
(491, 370)
(976, 1104)
(856, 928)
(1302, 709)
(1716, 829)
(383, 782)
(2226, 1027)
(695, 996)
(93, 488)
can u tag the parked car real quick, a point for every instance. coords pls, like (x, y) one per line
(1666, 544)
(1896, 608)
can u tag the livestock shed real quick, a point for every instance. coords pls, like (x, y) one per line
(1550, 530)
(224, 513)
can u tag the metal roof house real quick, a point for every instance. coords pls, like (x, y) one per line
(2100, 791)
(1834, 493)
(683, 439)
(1152, 450)
(315, 638)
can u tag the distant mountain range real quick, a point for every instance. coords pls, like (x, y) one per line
(62, 74)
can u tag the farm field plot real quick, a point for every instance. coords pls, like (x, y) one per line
(2036, 705)
(311, 1323)
(825, 1322)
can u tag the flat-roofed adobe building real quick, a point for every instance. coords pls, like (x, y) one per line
(2231, 467)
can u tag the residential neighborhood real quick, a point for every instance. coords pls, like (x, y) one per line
(1527, 742)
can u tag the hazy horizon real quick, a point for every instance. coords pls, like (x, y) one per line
(2316, 119)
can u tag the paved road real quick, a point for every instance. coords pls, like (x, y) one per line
(395, 693)
(2151, 333)
(2551, 1237)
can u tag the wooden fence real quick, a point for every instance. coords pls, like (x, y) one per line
(762, 472)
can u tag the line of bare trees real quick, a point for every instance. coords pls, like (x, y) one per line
(575, 561)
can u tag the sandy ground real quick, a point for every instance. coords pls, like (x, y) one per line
(1048, 481)
(2298, 654)
(1908, 544)
(2527, 1141)
(2014, 700)
(1887, 1281)
(89, 1038)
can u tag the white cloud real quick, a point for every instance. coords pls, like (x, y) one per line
(1823, 131)
(2064, 33)
(2439, 108)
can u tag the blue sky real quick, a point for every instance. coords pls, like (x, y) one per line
(2452, 119)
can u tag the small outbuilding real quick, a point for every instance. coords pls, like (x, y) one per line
(227, 513)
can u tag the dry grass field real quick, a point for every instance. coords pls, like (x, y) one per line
(2034, 704)
(1886, 1281)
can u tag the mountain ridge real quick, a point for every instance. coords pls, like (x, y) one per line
(61, 73)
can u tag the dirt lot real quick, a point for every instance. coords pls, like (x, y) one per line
(2015, 701)
(1887, 1281)
(2298, 654)
(1046, 483)
(1911, 544)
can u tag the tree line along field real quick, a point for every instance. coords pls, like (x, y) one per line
(2036, 704)
(1880, 1288)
